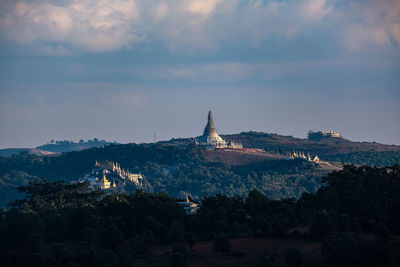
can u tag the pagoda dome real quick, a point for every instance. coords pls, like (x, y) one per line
(210, 135)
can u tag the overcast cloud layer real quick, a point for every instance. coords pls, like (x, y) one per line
(70, 67)
(94, 26)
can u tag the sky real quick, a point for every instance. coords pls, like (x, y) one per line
(124, 70)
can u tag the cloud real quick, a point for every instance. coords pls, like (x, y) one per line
(202, 7)
(374, 23)
(88, 25)
(316, 9)
(63, 27)
(128, 99)
(232, 72)
(76, 70)
(160, 11)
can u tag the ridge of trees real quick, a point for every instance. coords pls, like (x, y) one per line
(169, 168)
(355, 216)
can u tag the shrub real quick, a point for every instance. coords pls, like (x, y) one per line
(294, 258)
(33, 242)
(177, 260)
(222, 244)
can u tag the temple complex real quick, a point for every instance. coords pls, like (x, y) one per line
(211, 139)
(108, 174)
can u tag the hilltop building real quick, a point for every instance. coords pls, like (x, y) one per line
(211, 139)
(235, 145)
(323, 135)
(301, 155)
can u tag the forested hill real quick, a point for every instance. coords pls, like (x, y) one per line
(179, 166)
(66, 146)
(169, 168)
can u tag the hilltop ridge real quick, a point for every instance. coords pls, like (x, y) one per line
(323, 147)
(56, 147)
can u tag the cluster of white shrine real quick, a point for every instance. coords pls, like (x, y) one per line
(103, 173)
(301, 155)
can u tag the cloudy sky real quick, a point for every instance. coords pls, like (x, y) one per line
(122, 70)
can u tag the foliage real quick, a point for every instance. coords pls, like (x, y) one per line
(43, 196)
(169, 168)
(222, 244)
(54, 226)
(369, 193)
(64, 146)
(371, 158)
(294, 258)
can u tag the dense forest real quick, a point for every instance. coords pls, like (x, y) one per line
(172, 169)
(371, 158)
(352, 220)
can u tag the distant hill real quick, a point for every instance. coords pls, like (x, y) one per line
(339, 150)
(6, 152)
(67, 146)
(54, 147)
(169, 168)
(178, 166)
(332, 149)
(324, 147)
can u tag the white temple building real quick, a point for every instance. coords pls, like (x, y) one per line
(211, 139)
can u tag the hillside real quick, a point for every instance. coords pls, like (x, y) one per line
(179, 166)
(324, 148)
(232, 157)
(338, 150)
(67, 146)
(334, 149)
(55, 147)
(169, 168)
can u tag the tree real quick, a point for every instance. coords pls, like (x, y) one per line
(190, 240)
(222, 244)
(33, 242)
(321, 224)
(176, 232)
(294, 258)
(382, 231)
(111, 237)
(256, 202)
(43, 196)
(177, 260)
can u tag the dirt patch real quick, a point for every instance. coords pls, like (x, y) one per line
(238, 158)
